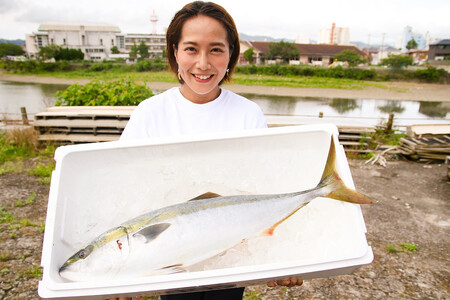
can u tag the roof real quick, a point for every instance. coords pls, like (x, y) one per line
(56, 26)
(442, 42)
(309, 49)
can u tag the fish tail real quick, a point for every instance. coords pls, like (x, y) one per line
(339, 191)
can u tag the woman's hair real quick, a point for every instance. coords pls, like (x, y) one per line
(209, 9)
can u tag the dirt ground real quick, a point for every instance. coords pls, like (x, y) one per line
(413, 208)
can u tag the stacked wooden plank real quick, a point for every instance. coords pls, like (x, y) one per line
(426, 147)
(82, 124)
(426, 142)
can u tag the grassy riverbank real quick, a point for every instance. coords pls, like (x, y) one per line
(242, 79)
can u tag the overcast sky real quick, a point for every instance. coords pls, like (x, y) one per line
(277, 18)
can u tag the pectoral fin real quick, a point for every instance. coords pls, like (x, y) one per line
(151, 232)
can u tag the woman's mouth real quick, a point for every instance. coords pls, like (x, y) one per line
(203, 77)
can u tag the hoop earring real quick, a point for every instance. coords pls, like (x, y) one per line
(228, 70)
(179, 76)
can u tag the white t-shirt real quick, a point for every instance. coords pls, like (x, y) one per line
(170, 114)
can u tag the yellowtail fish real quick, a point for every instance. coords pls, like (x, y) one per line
(171, 238)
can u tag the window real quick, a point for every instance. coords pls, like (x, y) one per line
(101, 42)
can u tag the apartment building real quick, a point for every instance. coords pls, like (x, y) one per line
(156, 42)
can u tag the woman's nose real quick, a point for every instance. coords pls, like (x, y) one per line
(203, 61)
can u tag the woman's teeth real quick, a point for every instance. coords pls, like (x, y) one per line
(203, 77)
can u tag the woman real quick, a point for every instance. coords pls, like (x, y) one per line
(203, 50)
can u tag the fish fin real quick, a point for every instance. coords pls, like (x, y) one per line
(340, 190)
(206, 195)
(152, 232)
(174, 269)
(269, 232)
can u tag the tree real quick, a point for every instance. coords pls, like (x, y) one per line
(115, 50)
(69, 54)
(10, 49)
(284, 50)
(48, 52)
(143, 50)
(412, 44)
(134, 51)
(350, 56)
(397, 61)
(248, 55)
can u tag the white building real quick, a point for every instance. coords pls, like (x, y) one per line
(334, 35)
(156, 43)
(94, 40)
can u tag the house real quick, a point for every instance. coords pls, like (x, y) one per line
(316, 54)
(419, 56)
(376, 55)
(439, 50)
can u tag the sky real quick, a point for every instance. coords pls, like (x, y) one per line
(373, 22)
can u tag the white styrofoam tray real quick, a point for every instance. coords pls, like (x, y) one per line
(97, 186)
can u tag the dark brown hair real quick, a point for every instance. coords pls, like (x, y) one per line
(209, 9)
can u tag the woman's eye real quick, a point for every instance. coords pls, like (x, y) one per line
(217, 50)
(190, 49)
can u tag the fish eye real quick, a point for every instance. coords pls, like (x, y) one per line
(82, 254)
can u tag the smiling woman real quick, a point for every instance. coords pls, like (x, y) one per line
(203, 49)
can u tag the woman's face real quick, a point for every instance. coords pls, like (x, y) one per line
(202, 55)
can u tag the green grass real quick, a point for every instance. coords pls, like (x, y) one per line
(30, 200)
(43, 171)
(244, 79)
(6, 216)
(391, 248)
(303, 82)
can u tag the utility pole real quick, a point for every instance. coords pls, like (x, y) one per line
(382, 46)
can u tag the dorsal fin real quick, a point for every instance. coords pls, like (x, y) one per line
(206, 195)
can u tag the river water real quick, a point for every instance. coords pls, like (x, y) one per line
(36, 97)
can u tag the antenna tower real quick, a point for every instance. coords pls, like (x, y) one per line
(154, 20)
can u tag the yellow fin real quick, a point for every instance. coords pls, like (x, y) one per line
(206, 195)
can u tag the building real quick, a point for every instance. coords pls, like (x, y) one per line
(94, 40)
(376, 55)
(439, 50)
(156, 43)
(315, 54)
(408, 35)
(334, 35)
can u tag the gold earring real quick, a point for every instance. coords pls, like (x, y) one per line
(179, 76)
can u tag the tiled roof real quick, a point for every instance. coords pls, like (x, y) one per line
(309, 49)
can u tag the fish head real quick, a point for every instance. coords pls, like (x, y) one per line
(99, 260)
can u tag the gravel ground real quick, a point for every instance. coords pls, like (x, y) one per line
(413, 208)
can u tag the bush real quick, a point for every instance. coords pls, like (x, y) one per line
(112, 93)
(431, 74)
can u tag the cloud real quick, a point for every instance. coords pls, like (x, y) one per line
(8, 5)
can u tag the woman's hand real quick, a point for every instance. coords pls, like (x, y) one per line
(286, 282)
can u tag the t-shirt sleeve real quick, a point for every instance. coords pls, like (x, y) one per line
(136, 126)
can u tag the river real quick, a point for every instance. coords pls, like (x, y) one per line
(36, 97)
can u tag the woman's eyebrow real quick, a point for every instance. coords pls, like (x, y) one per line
(210, 44)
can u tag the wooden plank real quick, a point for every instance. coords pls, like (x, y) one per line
(80, 123)
(78, 138)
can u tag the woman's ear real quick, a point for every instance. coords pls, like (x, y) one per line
(175, 52)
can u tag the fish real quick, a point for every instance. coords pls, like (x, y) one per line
(169, 239)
